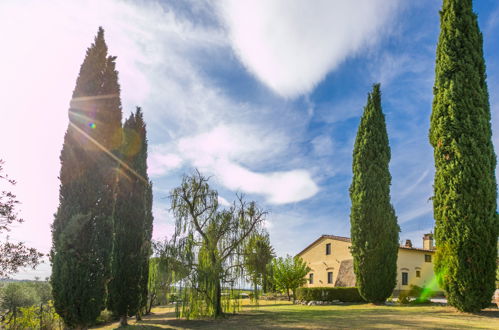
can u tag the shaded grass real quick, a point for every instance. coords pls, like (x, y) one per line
(283, 315)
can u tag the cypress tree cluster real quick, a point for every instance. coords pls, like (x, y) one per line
(83, 223)
(102, 229)
(132, 223)
(464, 201)
(374, 228)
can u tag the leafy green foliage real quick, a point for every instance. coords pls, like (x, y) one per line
(12, 255)
(258, 255)
(289, 274)
(33, 317)
(18, 294)
(131, 221)
(329, 294)
(83, 225)
(465, 190)
(27, 305)
(374, 228)
(165, 270)
(212, 242)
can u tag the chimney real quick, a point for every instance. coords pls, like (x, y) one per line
(428, 242)
(408, 243)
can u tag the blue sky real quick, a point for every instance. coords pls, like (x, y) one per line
(264, 96)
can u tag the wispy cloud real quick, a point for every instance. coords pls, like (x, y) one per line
(222, 151)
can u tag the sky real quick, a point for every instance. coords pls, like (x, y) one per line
(262, 96)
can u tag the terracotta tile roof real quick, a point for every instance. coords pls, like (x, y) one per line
(347, 239)
(413, 248)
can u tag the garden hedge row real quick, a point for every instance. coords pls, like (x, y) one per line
(350, 294)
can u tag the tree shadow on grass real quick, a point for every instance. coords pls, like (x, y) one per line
(327, 317)
(488, 312)
(323, 318)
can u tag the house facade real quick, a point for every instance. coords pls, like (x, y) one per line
(331, 263)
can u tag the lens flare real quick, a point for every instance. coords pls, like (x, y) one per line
(110, 154)
(91, 125)
(429, 289)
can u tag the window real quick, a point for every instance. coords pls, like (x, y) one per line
(328, 248)
(329, 277)
(427, 258)
(418, 273)
(311, 278)
(405, 278)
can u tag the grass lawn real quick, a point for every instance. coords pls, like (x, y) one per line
(283, 315)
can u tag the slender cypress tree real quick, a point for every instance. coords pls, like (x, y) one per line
(131, 218)
(83, 223)
(374, 228)
(146, 250)
(465, 193)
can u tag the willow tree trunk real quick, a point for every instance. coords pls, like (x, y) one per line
(217, 302)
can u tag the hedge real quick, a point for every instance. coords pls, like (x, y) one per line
(350, 294)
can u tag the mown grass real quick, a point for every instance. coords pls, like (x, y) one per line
(283, 315)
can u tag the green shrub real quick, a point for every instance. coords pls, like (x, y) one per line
(33, 317)
(106, 316)
(329, 294)
(404, 297)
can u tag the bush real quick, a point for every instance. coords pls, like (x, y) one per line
(33, 317)
(329, 294)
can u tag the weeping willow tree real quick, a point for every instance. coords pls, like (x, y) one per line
(211, 240)
(166, 270)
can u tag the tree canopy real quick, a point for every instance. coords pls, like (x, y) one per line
(83, 226)
(465, 189)
(289, 274)
(212, 240)
(373, 224)
(12, 255)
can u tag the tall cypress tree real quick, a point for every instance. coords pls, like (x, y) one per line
(374, 228)
(83, 223)
(131, 221)
(146, 250)
(464, 201)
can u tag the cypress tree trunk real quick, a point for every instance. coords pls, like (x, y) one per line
(123, 321)
(374, 228)
(83, 223)
(464, 201)
(131, 221)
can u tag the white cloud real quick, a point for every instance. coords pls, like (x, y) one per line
(291, 45)
(415, 213)
(277, 187)
(160, 164)
(221, 151)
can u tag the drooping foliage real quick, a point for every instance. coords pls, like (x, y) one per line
(12, 255)
(289, 274)
(212, 242)
(131, 221)
(166, 270)
(83, 224)
(373, 224)
(465, 191)
(258, 254)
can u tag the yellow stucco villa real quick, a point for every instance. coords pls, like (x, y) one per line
(331, 263)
